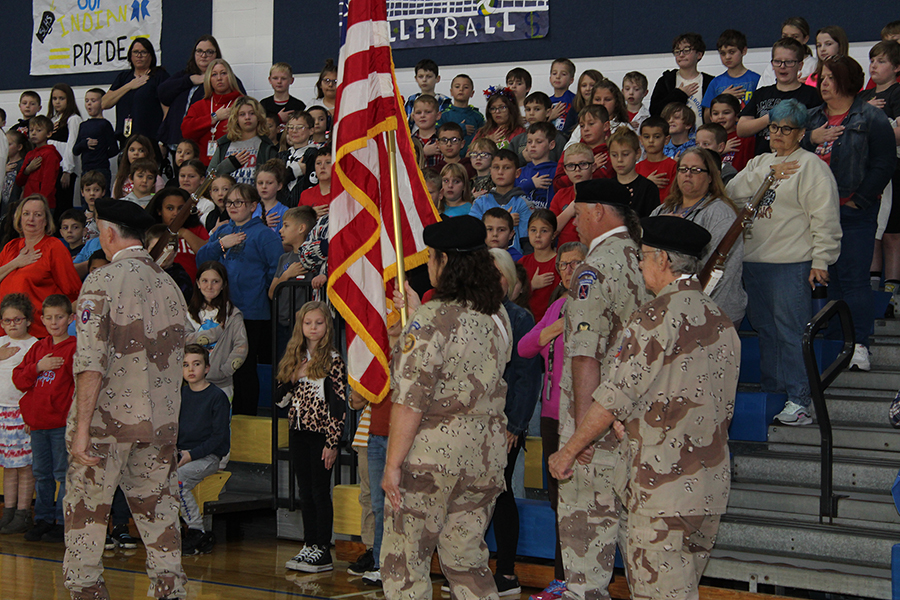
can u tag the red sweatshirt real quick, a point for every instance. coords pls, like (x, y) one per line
(43, 180)
(48, 395)
(561, 180)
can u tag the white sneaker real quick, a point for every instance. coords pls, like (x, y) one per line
(372, 577)
(860, 360)
(794, 414)
(300, 558)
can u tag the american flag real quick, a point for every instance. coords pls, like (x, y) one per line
(361, 259)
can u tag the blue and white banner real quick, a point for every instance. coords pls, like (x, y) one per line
(87, 36)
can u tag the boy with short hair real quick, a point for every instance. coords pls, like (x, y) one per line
(29, 106)
(96, 142)
(738, 151)
(594, 122)
(204, 437)
(656, 166)
(536, 176)
(45, 375)
(425, 115)
(505, 195)
(427, 77)
(624, 151)
(518, 80)
(93, 187)
(537, 110)
(738, 81)
(681, 120)
(635, 89)
(481, 153)
(319, 195)
(302, 262)
(500, 231)
(281, 104)
(18, 147)
(450, 143)
(40, 169)
(562, 76)
(71, 229)
(578, 160)
(462, 89)
(712, 136)
(686, 84)
(143, 175)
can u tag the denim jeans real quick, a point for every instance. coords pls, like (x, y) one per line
(849, 276)
(779, 305)
(50, 463)
(189, 476)
(377, 458)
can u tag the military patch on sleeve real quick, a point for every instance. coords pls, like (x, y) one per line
(584, 327)
(586, 279)
(408, 342)
(85, 315)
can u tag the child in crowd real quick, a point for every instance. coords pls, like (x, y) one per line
(656, 166)
(537, 110)
(269, 182)
(185, 150)
(686, 84)
(247, 139)
(93, 186)
(536, 177)
(167, 262)
(518, 80)
(315, 373)
(135, 147)
(504, 122)
(737, 81)
(578, 161)
(275, 130)
(681, 120)
(462, 89)
(299, 154)
(15, 443)
(562, 76)
(712, 136)
(425, 116)
(204, 438)
(19, 146)
(481, 153)
(218, 190)
(585, 89)
(433, 184)
(96, 142)
(29, 106)
(594, 124)
(319, 196)
(505, 195)
(797, 28)
(143, 177)
(541, 264)
(164, 207)
(634, 90)
(71, 230)
(450, 143)
(738, 151)
(40, 169)
(190, 175)
(608, 95)
(321, 125)
(326, 88)
(45, 377)
(281, 104)
(66, 118)
(830, 41)
(427, 77)
(624, 151)
(500, 231)
(787, 60)
(218, 325)
(250, 252)
(456, 195)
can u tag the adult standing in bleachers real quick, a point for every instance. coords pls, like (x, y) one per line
(207, 120)
(134, 93)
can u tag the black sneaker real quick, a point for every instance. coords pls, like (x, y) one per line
(190, 541)
(507, 587)
(37, 532)
(205, 543)
(123, 538)
(56, 535)
(366, 562)
(317, 561)
(110, 543)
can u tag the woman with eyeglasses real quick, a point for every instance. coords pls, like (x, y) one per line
(207, 120)
(787, 251)
(186, 87)
(856, 141)
(135, 95)
(699, 195)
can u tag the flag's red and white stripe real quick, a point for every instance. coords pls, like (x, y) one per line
(361, 256)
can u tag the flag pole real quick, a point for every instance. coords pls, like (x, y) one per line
(395, 209)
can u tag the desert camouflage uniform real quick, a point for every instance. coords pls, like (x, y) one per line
(605, 290)
(131, 326)
(673, 386)
(448, 365)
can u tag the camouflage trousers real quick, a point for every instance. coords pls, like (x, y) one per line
(667, 555)
(147, 476)
(448, 512)
(589, 515)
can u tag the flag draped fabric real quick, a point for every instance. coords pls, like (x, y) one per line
(361, 257)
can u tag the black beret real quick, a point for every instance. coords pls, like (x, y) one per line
(602, 191)
(458, 234)
(675, 234)
(124, 213)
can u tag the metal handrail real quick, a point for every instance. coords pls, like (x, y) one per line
(818, 383)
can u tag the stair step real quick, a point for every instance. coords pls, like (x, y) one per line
(884, 351)
(887, 327)
(794, 467)
(843, 436)
(866, 409)
(876, 379)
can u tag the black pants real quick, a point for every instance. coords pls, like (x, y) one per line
(550, 443)
(314, 486)
(506, 518)
(246, 380)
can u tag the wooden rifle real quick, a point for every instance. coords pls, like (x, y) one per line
(715, 267)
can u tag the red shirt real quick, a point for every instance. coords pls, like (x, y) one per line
(314, 197)
(560, 201)
(540, 298)
(740, 157)
(48, 395)
(185, 256)
(561, 179)
(197, 123)
(824, 149)
(665, 167)
(42, 180)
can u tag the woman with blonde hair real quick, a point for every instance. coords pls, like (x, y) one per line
(207, 119)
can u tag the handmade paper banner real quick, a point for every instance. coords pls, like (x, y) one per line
(87, 36)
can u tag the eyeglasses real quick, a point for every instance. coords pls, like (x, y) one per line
(453, 140)
(692, 170)
(296, 127)
(784, 129)
(234, 203)
(480, 155)
(571, 264)
(784, 63)
(329, 81)
(499, 109)
(199, 52)
(682, 51)
(15, 320)
(140, 53)
(581, 166)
